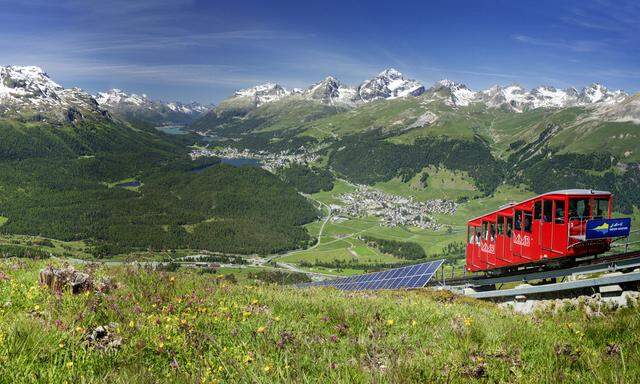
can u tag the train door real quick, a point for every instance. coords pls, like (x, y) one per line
(473, 247)
(517, 236)
(536, 237)
(559, 233)
(502, 242)
(528, 252)
(509, 252)
(488, 243)
(546, 226)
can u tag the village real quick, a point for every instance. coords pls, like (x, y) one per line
(392, 209)
(268, 161)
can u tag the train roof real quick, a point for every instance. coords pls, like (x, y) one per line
(575, 192)
(569, 192)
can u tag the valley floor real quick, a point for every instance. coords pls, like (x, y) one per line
(190, 327)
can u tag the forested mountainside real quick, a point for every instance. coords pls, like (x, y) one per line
(70, 170)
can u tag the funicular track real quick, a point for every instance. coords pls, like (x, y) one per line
(488, 286)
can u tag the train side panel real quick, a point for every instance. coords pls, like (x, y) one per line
(535, 231)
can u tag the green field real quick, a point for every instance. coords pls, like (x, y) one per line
(442, 183)
(73, 249)
(187, 327)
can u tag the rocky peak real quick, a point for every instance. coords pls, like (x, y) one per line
(388, 84)
(454, 94)
(263, 93)
(28, 91)
(330, 91)
(597, 93)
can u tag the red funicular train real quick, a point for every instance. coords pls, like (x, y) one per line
(555, 227)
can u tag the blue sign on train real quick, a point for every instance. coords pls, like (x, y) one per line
(602, 228)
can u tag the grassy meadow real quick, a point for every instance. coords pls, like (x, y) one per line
(199, 328)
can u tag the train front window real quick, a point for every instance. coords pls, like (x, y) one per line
(509, 226)
(537, 210)
(579, 209)
(559, 214)
(601, 209)
(527, 221)
(547, 211)
(492, 232)
(500, 225)
(518, 220)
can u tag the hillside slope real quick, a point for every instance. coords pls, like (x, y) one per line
(187, 327)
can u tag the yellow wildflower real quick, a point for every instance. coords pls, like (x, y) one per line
(414, 323)
(248, 359)
(266, 368)
(61, 345)
(172, 279)
(70, 364)
(468, 321)
(261, 329)
(390, 322)
(132, 324)
(37, 307)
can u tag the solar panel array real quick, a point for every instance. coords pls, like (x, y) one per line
(413, 276)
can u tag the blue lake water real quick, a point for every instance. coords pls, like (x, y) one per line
(241, 162)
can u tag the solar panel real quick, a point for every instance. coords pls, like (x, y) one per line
(412, 276)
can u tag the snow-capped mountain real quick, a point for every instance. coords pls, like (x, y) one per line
(518, 99)
(454, 94)
(30, 93)
(596, 93)
(330, 91)
(143, 108)
(263, 93)
(388, 84)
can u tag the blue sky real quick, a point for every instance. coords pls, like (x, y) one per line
(203, 50)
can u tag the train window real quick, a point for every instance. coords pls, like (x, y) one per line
(559, 214)
(518, 220)
(547, 211)
(601, 209)
(500, 225)
(471, 234)
(485, 230)
(509, 226)
(579, 209)
(537, 210)
(492, 232)
(527, 221)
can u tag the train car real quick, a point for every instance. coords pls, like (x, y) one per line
(552, 228)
